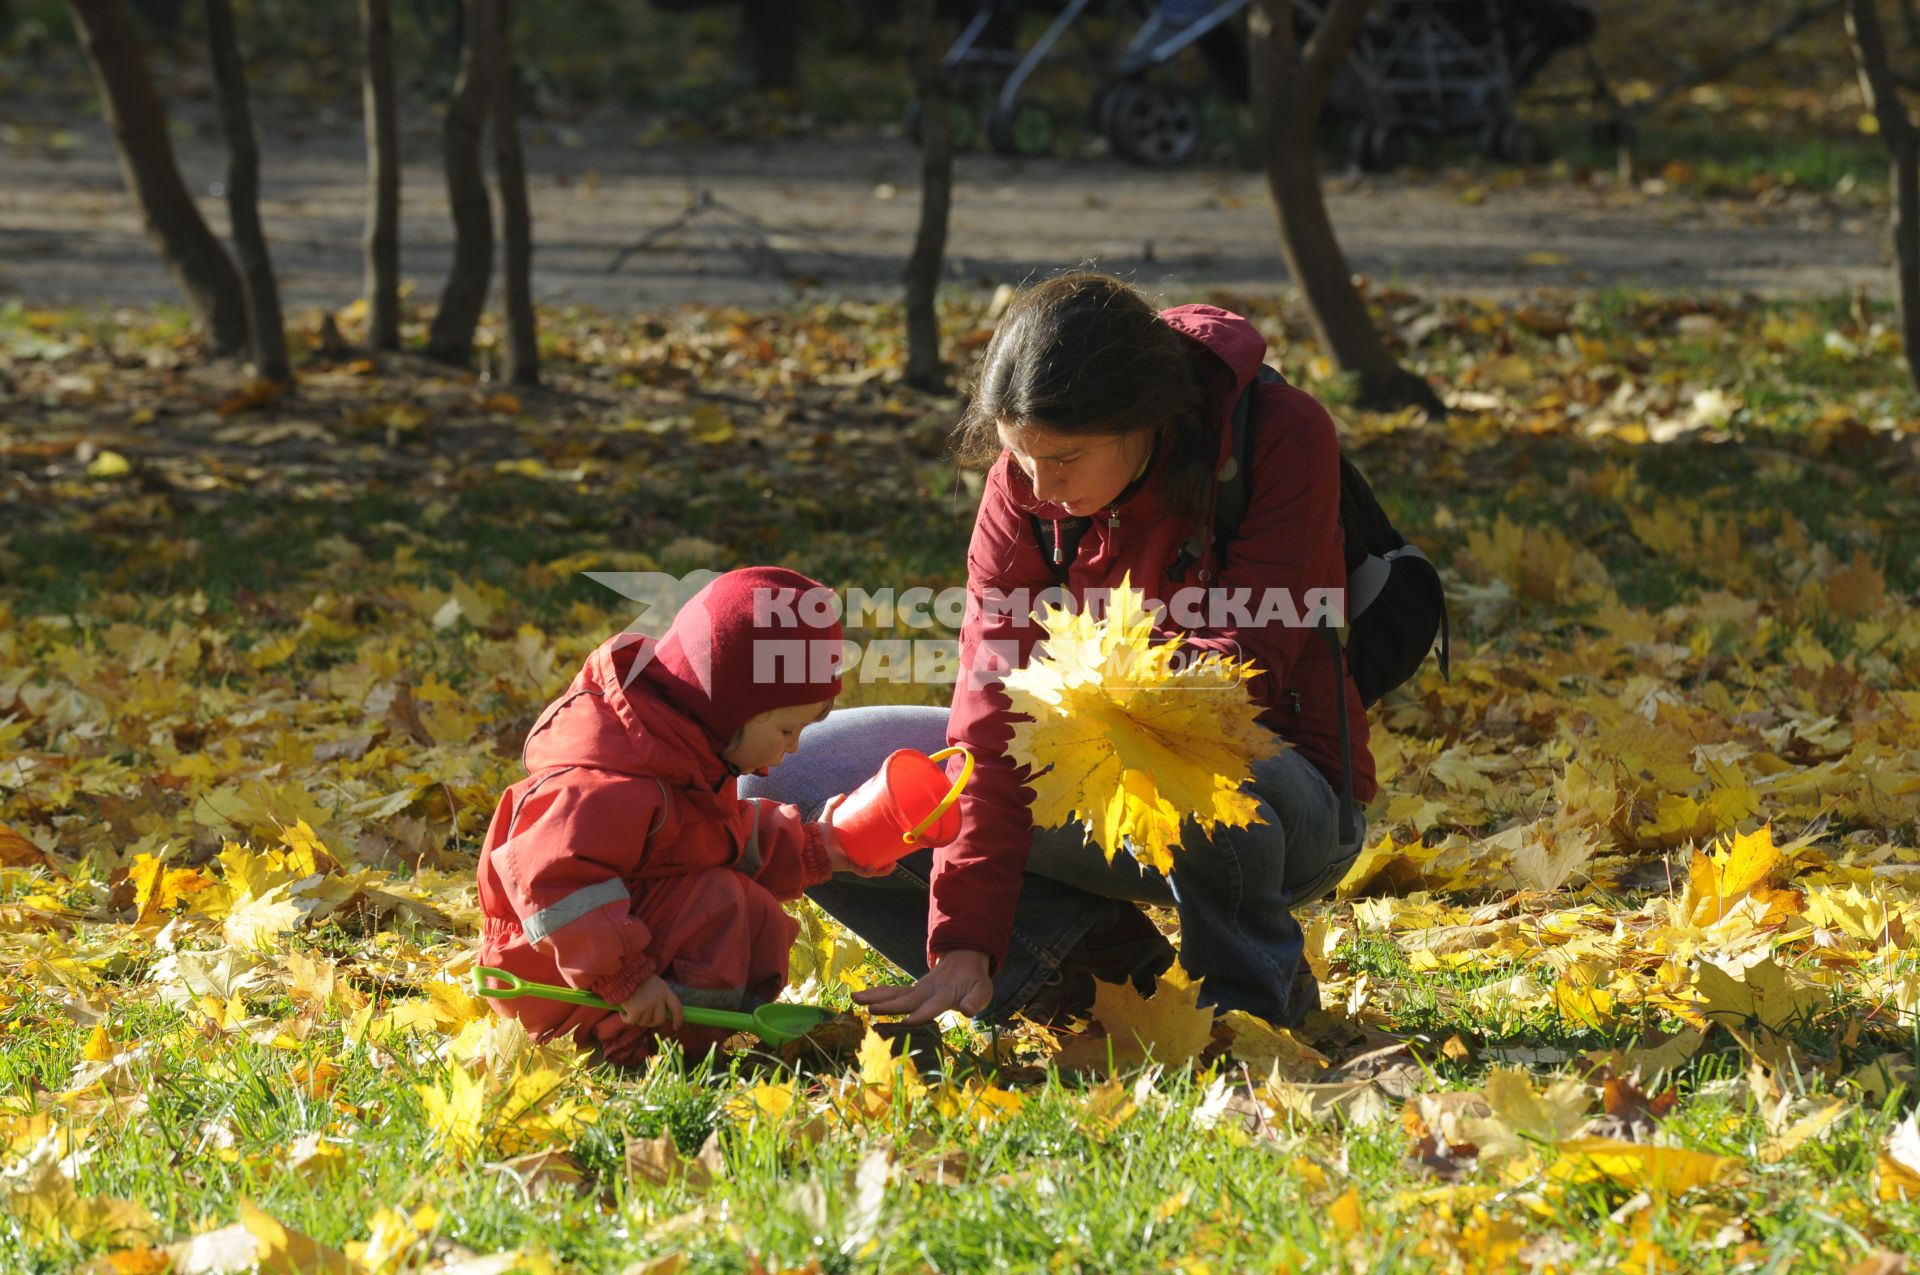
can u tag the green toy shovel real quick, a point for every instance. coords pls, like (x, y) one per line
(776, 1024)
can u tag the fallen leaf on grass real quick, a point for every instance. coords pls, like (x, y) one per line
(1765, 993)
(1800, 1132)
(657, 1161)
(1169, 1027)
(1899, 1162)
(284, 1251)
(1272, 1050)
(1637, 1167)
(1521, 1117)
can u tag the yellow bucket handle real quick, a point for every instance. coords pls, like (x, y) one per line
(946, 803)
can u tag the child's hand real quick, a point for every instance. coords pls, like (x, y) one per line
(836, 857)
(652, 1004)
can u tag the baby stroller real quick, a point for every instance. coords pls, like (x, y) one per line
(1157, 122)
(1433, 67)
(986, 55)
(1438, 67)
(1146, 120)
(1450, 67)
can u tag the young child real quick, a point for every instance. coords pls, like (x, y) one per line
(625, 863)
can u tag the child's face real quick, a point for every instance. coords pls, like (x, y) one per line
(768, 739)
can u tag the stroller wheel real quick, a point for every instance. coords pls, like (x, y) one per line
(1377, 148)
(1027, 129)
(1155, 124)
(1511, 142)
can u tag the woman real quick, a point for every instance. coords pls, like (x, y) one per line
(1104, 420)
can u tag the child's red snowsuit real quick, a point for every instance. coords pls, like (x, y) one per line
(626, 853)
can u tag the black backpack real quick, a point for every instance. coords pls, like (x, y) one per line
(1396, 605)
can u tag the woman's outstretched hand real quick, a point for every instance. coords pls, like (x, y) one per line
(961, 980)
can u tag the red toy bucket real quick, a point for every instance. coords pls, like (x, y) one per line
(907, 805)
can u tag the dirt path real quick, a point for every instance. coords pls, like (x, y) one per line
(842, 214)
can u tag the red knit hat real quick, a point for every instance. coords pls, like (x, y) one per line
(755, 639)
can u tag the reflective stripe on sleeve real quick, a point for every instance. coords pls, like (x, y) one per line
(570, 909)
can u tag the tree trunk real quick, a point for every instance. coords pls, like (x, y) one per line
(451, 340)
(1910, 18)
(382, 239)
(1289, 88)
(926, 58)
(1882, 92)
(516, 218)
(188, 248)
(267, 332)
(773, 42)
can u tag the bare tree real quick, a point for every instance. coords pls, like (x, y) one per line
(382, 240)
(191, 252)
(1881, 88)
(267, 332)
(773, 30)
(1289, 88)
(925, 51)
(451, 339)
(516, 218)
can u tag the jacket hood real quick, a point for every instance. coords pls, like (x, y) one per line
(1226, 351)
(611, 719)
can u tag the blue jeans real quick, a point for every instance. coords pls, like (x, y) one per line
(1234, 894)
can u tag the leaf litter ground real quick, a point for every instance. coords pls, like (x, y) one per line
(1621, 980)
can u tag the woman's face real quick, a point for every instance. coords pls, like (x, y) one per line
(1081, 472)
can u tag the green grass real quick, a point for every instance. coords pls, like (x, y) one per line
(1738, 159)
(1043, 1189)
(88, 564)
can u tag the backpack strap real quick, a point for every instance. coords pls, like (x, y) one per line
(1232, 491)
(1332, 638)
(1230, 509)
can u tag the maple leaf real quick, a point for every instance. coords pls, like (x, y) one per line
(16, 850)
(39, 1191)
(762, 1101)
(256, 920)
(657, 1161)
(1717, 883)
(1275, 1050)
(886, 1076)
(977, 1104)
(1128, 738)
(531, 1114)
(1765, 992)
(285, 1251)
(158, 888)
(457, 1114)
(395, 1240)
(1899, 1162)
(1636, 1166)
(1521, 1116)
(1170, 1026)
(184, 977)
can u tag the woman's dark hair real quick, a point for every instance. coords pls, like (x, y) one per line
(1084, 353)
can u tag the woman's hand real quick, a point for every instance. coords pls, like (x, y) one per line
(652, 1004)
(836, 857)
(960, 979)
